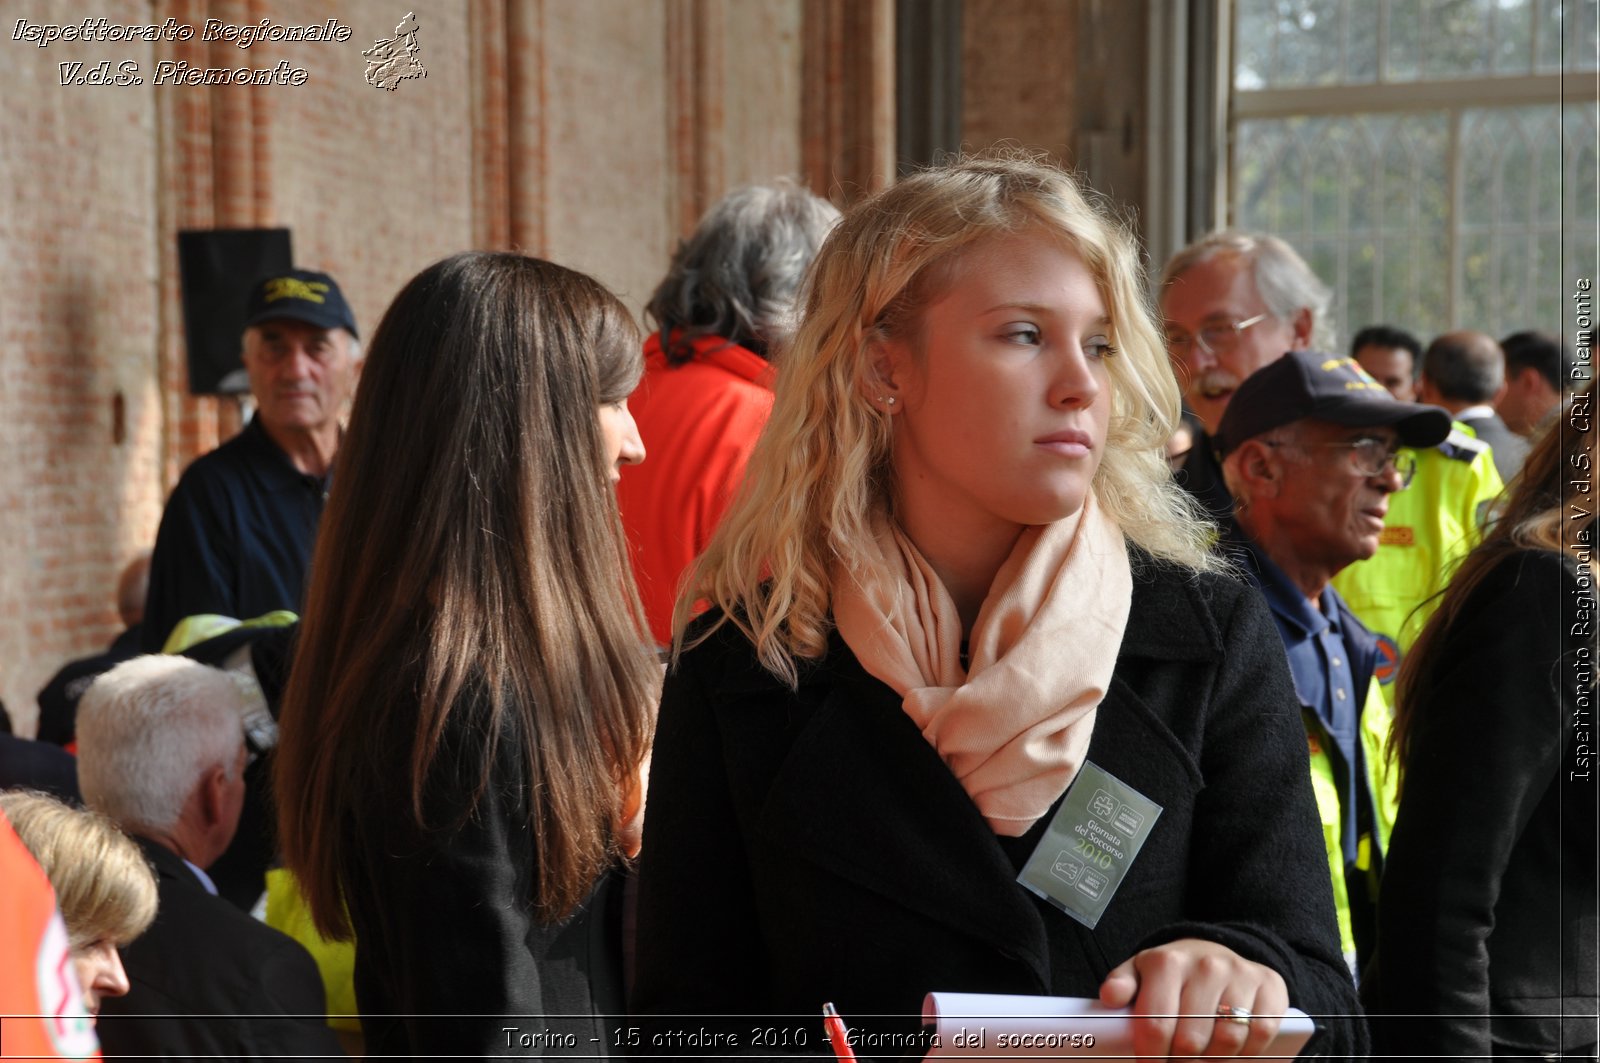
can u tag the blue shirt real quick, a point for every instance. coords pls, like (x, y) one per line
(235, 538)
(1320, 660)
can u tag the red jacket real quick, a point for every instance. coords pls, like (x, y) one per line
(699, 421)
(41, 1005)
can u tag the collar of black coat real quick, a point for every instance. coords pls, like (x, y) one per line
(167, 864)
(273, 469)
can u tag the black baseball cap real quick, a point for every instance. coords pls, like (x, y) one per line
(300, 295)
(1327, 387)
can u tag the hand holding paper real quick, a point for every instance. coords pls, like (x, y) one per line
(995, 1027)
(1195, 979)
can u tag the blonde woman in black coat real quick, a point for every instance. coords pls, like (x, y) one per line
(957, 579)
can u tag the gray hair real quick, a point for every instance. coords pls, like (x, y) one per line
(149, 730)
(1465, 366)
(1285, 282)
(738, 274)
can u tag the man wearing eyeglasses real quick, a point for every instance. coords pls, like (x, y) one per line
(1232, 303)
(1311, 454)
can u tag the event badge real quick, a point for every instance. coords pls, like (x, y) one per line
(1090, 844)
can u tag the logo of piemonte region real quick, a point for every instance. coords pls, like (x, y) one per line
(392, 61)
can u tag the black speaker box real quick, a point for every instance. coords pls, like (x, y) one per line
(217, 268)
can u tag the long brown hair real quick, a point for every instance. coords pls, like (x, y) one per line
(1535, 516)
(471, 541)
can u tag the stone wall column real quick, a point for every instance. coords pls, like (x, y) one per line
(847, 87)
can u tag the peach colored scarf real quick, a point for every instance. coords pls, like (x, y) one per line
(1014, 727)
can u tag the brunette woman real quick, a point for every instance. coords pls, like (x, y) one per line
(472, 694)
(1487, 914)
(959, 578)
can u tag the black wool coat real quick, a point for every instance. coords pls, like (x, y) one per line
(1487, 920)
(452, 959)
(809, 846)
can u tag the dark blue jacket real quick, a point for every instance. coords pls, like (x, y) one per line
(236, 536)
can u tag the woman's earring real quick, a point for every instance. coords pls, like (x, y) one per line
(889, 401)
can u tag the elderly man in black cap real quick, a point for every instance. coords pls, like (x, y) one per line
(237, 533)
(1311, 456)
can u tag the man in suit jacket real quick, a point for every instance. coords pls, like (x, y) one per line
(161, 751)
(1465, 372)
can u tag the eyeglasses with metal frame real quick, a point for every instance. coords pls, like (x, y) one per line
(1214, 339)
(1367, 457)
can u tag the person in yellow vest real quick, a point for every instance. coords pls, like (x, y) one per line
(1430, 526)
(1311, 455)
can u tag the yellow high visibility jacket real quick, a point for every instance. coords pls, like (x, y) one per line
(1382, 780)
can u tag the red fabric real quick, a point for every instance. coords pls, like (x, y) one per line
(699, 421)
(41, 1007)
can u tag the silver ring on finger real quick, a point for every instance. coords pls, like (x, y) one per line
(1234, 1013)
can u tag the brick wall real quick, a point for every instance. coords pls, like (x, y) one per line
(79, 325)
(593, 132)
(555, 126)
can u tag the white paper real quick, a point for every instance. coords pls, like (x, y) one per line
(994, 1026)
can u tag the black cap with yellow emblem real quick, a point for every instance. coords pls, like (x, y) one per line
(1325, 387)
(300, 295)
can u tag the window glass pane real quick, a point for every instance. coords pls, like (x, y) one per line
(1479, 272)
(1513, 37)
(1525, 172)
(1579, 244)
(1457, 38)
(1289, 214)
(1547, 292)
(1322, 254)
(1481, 134)
(1253, 36)
(1325, 40)
(1372, 201)
(1367, 133)
(1300, 38)
(1582, 40)
(1329, 164)
(1361, 41)
(1548, 30)
(1397, 277)
(1581, 167)
(1360, 289)
(1404, 52)
(1507, 300)
(1543, 170)
(1363, 195)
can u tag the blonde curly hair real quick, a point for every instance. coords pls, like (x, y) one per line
(821, 470)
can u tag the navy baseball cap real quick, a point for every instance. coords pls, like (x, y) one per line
(300, 295)
(1327, 387)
